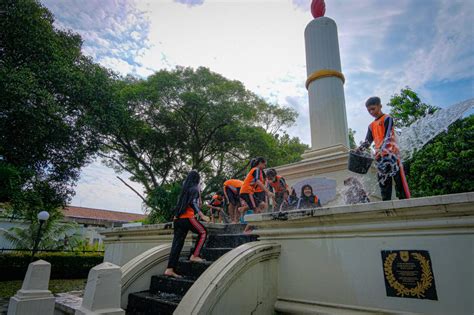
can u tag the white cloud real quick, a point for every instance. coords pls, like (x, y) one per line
(111, 29)
(99, 188)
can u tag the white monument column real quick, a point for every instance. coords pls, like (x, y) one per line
(325, 82)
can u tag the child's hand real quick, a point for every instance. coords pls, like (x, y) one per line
(204, 217)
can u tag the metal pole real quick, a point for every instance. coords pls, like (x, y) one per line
(35, 247)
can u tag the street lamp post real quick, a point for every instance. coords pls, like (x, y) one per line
(43, 216)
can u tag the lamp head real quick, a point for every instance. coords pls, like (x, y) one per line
(43, 216)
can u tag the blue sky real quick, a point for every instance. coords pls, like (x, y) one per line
(385, 45)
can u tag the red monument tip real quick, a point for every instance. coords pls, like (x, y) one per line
(318, 8)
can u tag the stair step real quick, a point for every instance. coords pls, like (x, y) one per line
(234, 228)
(229, 240)
(212, 254)
(172, 285)
(147, 303)
(192, 270)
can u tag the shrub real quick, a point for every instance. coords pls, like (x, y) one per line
(64, 265)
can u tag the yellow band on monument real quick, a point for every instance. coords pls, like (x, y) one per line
(324, 73)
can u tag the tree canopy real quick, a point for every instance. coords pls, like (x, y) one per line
(161, 127)
(407, 107)
(46, 86)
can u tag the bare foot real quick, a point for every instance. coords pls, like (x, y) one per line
(170, 273)
(196, 258)
(248, 229)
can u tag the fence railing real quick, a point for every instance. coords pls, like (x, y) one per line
(49, 250)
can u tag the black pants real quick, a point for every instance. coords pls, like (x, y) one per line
(181, 229)
(385, 175)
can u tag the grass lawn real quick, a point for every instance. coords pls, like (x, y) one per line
(9, 288)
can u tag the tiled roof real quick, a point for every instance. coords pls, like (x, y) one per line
(100, 214)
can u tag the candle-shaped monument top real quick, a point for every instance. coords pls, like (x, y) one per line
(318, 8)
(325, 81)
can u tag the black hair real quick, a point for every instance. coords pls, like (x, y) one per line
(303, 188)
(293, 192)
(271, 172)
(188, 190)
(374, 100)
(219, 192)
(255, 161)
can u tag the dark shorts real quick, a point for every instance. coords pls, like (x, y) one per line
(279, 199)
(234, 198)
(250, 200)
(259, 197)
(215, 213)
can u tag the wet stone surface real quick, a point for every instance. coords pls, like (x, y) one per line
(69, 302)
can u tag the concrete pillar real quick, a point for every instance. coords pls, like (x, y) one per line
(34, 297)
(102, 294)
(325, 84)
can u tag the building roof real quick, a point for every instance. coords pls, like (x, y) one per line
(100, 214)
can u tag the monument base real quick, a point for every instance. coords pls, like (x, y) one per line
(321, 166)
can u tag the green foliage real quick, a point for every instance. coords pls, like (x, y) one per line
(63, 265)
(163, 200)
(174, 121)
(446, 164)
(352, 143)
(53, 233)
(9, 288)
(78, 244)
(406, 107)
(46, 86)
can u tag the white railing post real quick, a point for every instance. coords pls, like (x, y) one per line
(102, 294)
(34, 297)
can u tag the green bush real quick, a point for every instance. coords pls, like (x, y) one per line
(64, 265)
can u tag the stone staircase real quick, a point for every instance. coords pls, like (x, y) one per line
(165, 293)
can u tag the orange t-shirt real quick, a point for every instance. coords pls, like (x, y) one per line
(233, 184)
(189, 213)
(377, 128)
(279, 185)
(250, 182)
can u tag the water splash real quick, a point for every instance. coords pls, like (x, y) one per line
(424, 129)
(354, 192)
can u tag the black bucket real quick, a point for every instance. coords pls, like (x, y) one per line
(359, 163)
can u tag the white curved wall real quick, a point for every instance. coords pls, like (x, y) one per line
(243, 281)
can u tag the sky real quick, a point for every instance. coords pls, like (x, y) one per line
(385, 45)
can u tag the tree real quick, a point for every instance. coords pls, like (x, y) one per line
(352, 143)
(46, 86)
(161, 127)
(445, 165)
(407, 107)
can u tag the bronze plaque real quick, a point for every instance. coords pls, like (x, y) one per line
(409, 274)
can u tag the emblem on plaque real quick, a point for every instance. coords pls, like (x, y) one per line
(409, 274)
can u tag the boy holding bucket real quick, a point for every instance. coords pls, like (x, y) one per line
(381, 132)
